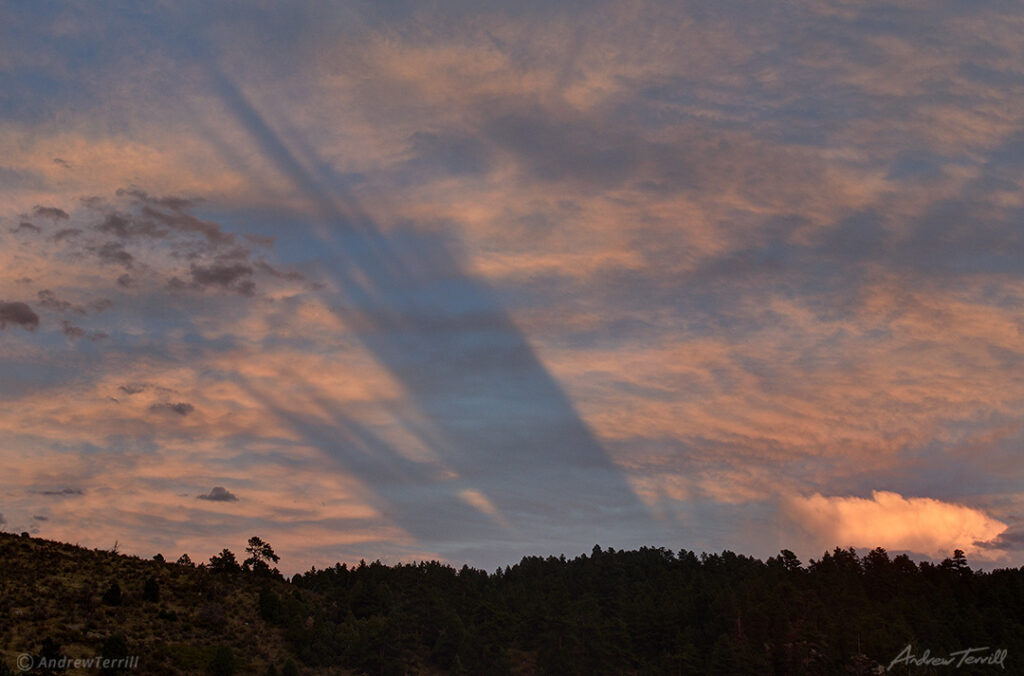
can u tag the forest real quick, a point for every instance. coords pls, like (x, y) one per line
(656, 611)
(646, 611)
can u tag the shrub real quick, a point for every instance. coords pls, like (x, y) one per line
(112, 597)
(222, 663)
(114, 648)
(151, 590)
(271, 609)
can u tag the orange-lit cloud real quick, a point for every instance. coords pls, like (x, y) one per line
(755, 251)
(921, 525)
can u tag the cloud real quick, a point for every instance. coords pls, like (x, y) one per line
(66, 233)
(219, 494)
(3, 521)
(436, 155)
(181, 408)
(922, 525)
(235, 277)
(113, 252)
(18, 314)
(49, 300)
(126, 226)
(50, 212)
(75, 332)
(1008, 540)
(132, 388)
(171, 212)
(62, 491)
(25, 226)
(743, 255)
(72, 331)
(40, 517)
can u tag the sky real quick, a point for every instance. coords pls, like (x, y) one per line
(473, 281)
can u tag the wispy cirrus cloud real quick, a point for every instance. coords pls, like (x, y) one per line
(763, 251)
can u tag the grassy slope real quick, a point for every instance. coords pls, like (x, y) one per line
(51, 589)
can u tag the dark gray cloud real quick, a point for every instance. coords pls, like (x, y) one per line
(216, 259)
(40, 517)
(265, 267)
(1012, 539)
(2, 520)
(219, 494)
(65, 234)
(50, 212)
(61, 491)
(113, 252)
(72, 331)
(62, 162)
(75, 332)
(170, 202)
(49, 300)
(235, 277)
(25, 226)
(132, 388)
(171, 212)
(127, 226)
(18, 314)
(181, 408)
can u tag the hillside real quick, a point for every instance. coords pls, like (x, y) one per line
(649, 611)
(50, 590)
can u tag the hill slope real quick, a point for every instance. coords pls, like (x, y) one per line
(650, 611)
(59, 592)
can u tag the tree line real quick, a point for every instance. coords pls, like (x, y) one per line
(650, 611)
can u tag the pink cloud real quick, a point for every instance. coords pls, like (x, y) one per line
(921, 525)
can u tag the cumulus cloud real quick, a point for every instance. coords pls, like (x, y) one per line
(922, 525)
(17, 313)
(219, 494)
